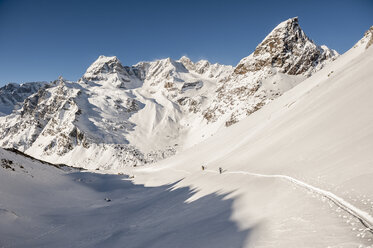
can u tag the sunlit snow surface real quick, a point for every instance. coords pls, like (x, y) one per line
(284, 162)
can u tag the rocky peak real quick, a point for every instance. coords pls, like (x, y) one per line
(59, 81)
(288, 49)
(10, 87)
(12, 95)
(369, 36)
(367, 39)
(185, 59)
(107, 71)
(105, 64)
(202, 66)
(164, 69)
(187, 63)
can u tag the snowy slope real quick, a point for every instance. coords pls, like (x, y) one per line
(117, 116)
(45, 206)
(300, 168)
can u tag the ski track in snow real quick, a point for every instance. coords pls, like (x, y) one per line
(365, 218)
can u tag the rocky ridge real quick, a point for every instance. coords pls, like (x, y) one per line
(119, 115)
(287, 49)
(12, 95)
(367, 39)
(282, 60)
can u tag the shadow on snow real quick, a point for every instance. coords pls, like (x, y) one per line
(138, 216)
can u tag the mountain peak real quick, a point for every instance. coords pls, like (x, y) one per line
(184, 58)
(102, 60)
(289, 22)
(369, 36)
(106, 70)
(288, 49)
(283, 37)
(367, 39)
(104, 64)
(188, 64)
(290, 25)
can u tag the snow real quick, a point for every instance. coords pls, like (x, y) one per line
(362, 216)
(118, 116)
(43, 206)
(282, 26)
(366, 41)
(106, 110)
(12, 95)
(316, 138)
(296, 173)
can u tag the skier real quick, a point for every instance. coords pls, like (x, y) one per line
(220, 170)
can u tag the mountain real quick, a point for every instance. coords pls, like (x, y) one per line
(12, 95)
(299, 169)
(107, 116)
(282, 60)
(116, 115)
(366, 41)
(288, 50)
(297, 172)
(108, 71)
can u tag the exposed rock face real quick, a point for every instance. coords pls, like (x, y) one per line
(288, 49)
(367, 39)
(109, 69)
(12, 95)
(369, 36)
(40, 116)
(59, 119)
(282, 60)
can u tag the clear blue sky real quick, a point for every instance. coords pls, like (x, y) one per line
(42, 39)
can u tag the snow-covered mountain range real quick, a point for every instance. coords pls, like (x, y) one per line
(297, 172)
(300, 169)
(118, 115)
